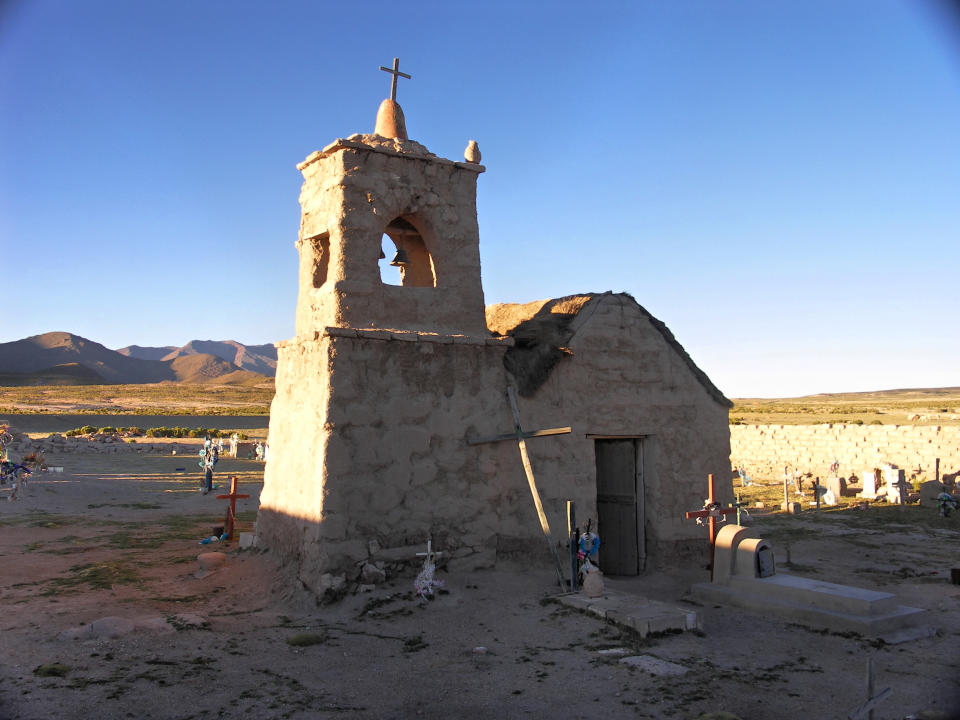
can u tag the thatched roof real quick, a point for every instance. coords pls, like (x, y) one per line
(543, 330)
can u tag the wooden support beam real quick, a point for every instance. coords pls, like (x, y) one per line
(518, 436)
(531, 481)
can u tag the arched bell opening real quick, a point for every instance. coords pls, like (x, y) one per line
(404, 258)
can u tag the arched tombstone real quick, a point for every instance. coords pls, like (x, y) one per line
(725, 551)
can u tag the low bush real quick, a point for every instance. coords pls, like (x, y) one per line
(108, 430)
(182, 432)
(171, 432)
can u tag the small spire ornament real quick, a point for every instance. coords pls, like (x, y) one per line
(472, 153)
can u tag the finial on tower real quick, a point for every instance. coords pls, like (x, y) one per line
(390, 122)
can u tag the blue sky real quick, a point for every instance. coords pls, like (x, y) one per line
(777, 181)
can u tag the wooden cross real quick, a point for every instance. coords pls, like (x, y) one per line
(712, 511)
(520, 436)
(395, 72)
(429, 554)
(866, 709)
(232, 510)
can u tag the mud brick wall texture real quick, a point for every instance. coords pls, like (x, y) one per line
(764, 450)
(368, 449)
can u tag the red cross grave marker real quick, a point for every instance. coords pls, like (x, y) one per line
(712, 510)
(232, 510)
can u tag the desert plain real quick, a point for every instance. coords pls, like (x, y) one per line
(104, 613)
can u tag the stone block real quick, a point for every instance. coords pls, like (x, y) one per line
(397, 554)
(372, 575)
(340, 332)
(435, 338)
(405, 336)
(469, 340)
(929, 491)
(374, 334)
(482, 559)
(348, 552)
(837, 485)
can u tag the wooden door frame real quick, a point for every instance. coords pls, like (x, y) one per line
(642, 445)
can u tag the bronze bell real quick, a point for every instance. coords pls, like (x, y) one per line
(400, 258)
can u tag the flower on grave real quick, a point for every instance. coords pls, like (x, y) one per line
(589, 545)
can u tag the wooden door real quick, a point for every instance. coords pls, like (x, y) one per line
(620, 506)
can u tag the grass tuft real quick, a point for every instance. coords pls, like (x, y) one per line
(307, 639)
(52, 670)
(97, 576)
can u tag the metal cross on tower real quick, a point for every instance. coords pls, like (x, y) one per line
(395, 71)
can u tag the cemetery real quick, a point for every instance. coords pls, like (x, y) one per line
(108, 611)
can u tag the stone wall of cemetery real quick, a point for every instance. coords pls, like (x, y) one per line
(764, 450)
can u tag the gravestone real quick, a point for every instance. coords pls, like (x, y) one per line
(929, 491)
(746, 576)
(892, 475)
(896, 480)
(869, 491)
(825, 494)
(837, 485)
(766, 564)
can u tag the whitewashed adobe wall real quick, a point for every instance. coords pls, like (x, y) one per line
(764, 450)
(368, 455)
(623, 378)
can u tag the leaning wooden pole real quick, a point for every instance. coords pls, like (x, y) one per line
(528, 469)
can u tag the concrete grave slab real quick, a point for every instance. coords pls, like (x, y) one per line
(738, 581)
(640, 614)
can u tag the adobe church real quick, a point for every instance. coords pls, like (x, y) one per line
(388, 395)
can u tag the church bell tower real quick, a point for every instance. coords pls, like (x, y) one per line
(362, 189)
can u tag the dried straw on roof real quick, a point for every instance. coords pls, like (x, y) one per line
(543, 330)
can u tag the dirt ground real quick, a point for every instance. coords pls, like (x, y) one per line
(117, 537)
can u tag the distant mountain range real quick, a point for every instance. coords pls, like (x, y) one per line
(60, 358)
(260, 359)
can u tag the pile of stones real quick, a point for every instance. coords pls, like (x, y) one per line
(56, 444)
